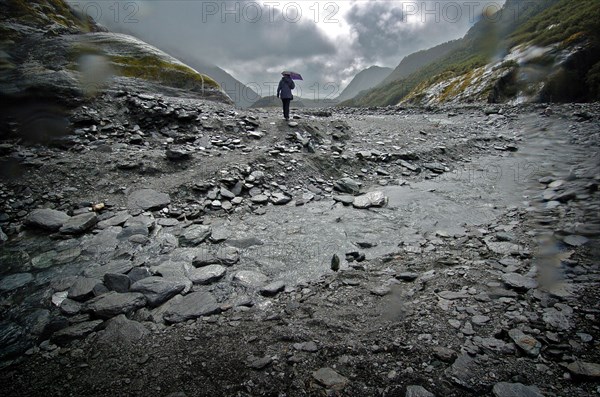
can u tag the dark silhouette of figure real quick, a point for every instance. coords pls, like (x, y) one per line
(284, 91)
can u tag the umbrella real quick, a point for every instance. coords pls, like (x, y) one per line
(293, 75)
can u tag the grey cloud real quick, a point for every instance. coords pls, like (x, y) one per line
(197, 27)
(384, 31)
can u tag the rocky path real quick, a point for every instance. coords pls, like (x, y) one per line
(176, 247)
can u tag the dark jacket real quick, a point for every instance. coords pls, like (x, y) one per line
(286, 85)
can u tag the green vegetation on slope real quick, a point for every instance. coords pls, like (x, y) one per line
(565, 22)
(517, 23)
(155, 69)
(41, 13)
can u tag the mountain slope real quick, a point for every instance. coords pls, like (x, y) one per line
(364, 80)
(242, 95)
(414, 62)
(500, 60)
(49, 50)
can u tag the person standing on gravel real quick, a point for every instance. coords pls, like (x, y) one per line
(284, 91)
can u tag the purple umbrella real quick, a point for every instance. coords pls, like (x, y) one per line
(293, 75)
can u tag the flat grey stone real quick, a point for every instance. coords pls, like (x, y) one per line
(44, 260)
(117, 282)
(228, 256)
(168, 222)
(249, 278)
(3, 236)
(138, 273)
(445, 354)
(344, 199)
(273, 288)
(504, 389)
(280, 198)
(347, 185)
(83, 288)
(207, 274)
(260, 362)
(556, 319)
(525, 342)
(585, 370)
(117, 266)
(117, 220)
(575, 240)
(70, 307)
(172, 269)
(504, 248)
(113, 303)
(147, 199)
(12, 340)
(519, 282)
(134, 230)
(407, 276)
(503, 236)
(310, 346)
(194, 235)
(120, 331)
(219, 234)
(368, 200)
(47, 219)
(194, 305)
(104, 242)
(227, 194)
(260, 199)
(204, 257)
(14, 281)
(463, 371)
(493, 344)
(330, 379)
(79, 224)
(158, 289)
(480, 319)
(418, 391)
(77, 331)
(381, 290)
(140, 221)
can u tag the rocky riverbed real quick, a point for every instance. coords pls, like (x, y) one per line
(180, 247)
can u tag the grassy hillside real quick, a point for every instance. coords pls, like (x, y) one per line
(542, 22)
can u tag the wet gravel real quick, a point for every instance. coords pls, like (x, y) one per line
(190, 247)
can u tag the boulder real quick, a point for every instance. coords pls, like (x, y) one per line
(15, 281)
(122, 331)
(347, 185)
(192, 306)
(76, 331)
(147, 199)
(47, 219)
(117, 282)
(371, 199)
(207, 274)
(83, 288)
(504, 389)
(417, 391)
(114, 303)
(330, 379)
(249, 278)
(79, 224)
(194, 235)
(273, 288)
(158, 290)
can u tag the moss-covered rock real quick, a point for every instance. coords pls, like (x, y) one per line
(47, 48)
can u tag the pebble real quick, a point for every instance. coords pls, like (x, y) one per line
(504, 389)
(330, 379)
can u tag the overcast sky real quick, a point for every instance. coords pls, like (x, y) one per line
(328, 42)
